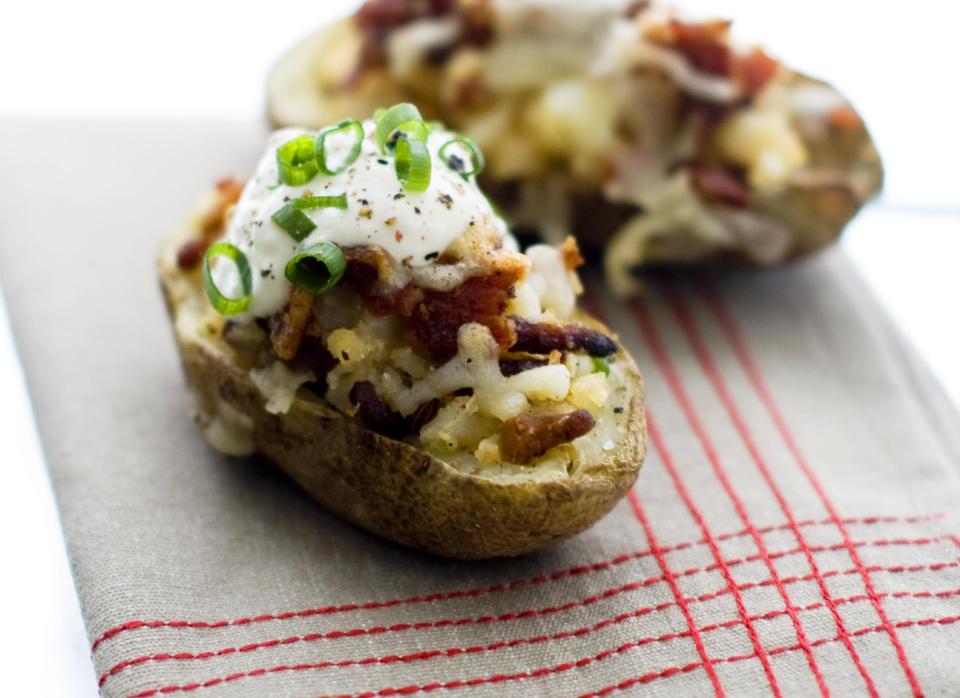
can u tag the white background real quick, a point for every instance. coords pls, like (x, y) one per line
(897, 61)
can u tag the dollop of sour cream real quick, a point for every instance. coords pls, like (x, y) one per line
(413, 227)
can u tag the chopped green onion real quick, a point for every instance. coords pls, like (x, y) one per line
(297, 161)
(343, 127)
(294, 222)
(409, 129)
(317, 269)
(456, 164)
(394, 117)
(600, 365)
(221, 303)
(305, 203)
(413, 163)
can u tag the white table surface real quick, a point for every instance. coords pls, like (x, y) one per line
(111, 58)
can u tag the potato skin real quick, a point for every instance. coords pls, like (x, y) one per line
(816, 211)
(396, 490)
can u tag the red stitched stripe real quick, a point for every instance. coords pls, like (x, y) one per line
(680, 600)
(538, 673)
(667, 459)
(686, 321)
(479, 591)
(551, 610)
(925, 622)
(741, 349)
(652, 337)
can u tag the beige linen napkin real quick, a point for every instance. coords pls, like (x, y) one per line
(792, 532)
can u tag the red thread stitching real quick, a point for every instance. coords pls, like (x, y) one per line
(536, 673)
(745, 357)
(667, 459)
(680, 600)
(550, 610)
(652, 337)
(699, 346)
(480, 591)
(945, 620)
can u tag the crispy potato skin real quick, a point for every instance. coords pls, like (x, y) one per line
(391, 488)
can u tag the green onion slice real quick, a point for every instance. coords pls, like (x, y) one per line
(318, 268)
(305, 203)
(390, 120)
(413, 163)
(600, 365)
(221, 303)
(293, 221)
(297, 161)
(354, 127)
(456, 164)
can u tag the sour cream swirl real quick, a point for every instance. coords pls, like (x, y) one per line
(413, 227)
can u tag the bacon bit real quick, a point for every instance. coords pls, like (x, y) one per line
(313, 356)
(398, 235)
(570, 253)
(377, 18)
(845, 118)
(526, 437)
(191, 253)
(375, 412)
(719, 184)
(511, 367)
(635, 8)
(212, 224)
(754, 70)
(377, 415)
(435, 321)
(367, 267)
(703, 45)
(542, 338)
(287, 328)
(471, 93)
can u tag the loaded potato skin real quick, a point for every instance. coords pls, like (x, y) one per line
(394, 396)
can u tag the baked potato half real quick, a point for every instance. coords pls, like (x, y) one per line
(462, 406)
(652, 137)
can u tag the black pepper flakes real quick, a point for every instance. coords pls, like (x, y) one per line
(446, 200)
(618, 410)
(398, 195)
(382, 161)
(431, 255)
(416, 210)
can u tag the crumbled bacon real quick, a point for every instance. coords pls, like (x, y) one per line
(525, 437)
(191, 252)
(754, 70)
(704, 45)
(542, 338)
(707, 47)
(376, 414)
(845, 118)
(719, 184)
(287, 328)
(367, 267)
(511, 367)
(570, 253)
(377, 18)
(433, 326)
